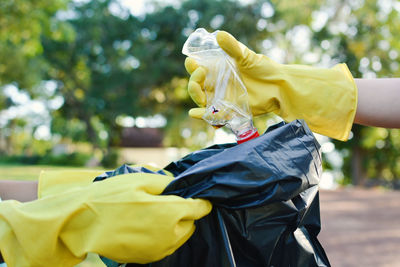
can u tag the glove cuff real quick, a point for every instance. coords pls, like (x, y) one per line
(325, 98)
(354, 97)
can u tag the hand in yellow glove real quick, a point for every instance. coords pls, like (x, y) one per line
(325, 98)
(123, 218)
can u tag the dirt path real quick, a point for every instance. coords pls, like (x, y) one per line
(361, 227)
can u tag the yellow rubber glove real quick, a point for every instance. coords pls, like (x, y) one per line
(123, 218)
(325, 98)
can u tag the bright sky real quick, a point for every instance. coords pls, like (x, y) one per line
(138, 7)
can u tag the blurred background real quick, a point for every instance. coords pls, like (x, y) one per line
(93, 84)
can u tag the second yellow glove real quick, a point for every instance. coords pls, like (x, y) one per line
(123, 218)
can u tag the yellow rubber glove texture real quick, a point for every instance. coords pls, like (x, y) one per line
(325, 98)
(123, 218)
(59, 181)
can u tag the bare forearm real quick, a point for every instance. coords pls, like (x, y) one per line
(378, 102)
(19, 190)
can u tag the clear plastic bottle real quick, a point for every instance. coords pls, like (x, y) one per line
(227, 99)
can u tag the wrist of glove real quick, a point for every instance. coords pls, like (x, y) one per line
(325, 98)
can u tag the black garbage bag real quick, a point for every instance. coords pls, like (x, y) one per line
(265, 202)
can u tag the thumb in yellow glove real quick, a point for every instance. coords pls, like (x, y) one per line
(325, 98)
(123, 218)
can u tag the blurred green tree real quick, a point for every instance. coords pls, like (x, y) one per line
(121, 65)
(364, 36)
(109, 64)
(22, 24)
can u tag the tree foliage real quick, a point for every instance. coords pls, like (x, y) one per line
(22, 24)
(124, 65)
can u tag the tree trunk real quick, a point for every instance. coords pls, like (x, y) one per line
(91, 132)
(357, 171)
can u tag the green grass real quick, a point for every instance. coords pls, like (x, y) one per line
(29, 172)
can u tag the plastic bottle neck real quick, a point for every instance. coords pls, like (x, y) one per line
(246, 136)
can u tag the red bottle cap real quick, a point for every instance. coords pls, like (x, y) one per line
(247, 136)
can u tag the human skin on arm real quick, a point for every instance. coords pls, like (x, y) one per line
(22, 191)
(378, 102)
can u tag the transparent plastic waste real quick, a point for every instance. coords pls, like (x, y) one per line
(227, 99)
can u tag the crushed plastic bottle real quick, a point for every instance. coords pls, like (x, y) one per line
(227, 99)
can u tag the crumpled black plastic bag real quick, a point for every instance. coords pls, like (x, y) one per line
(265, 202)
